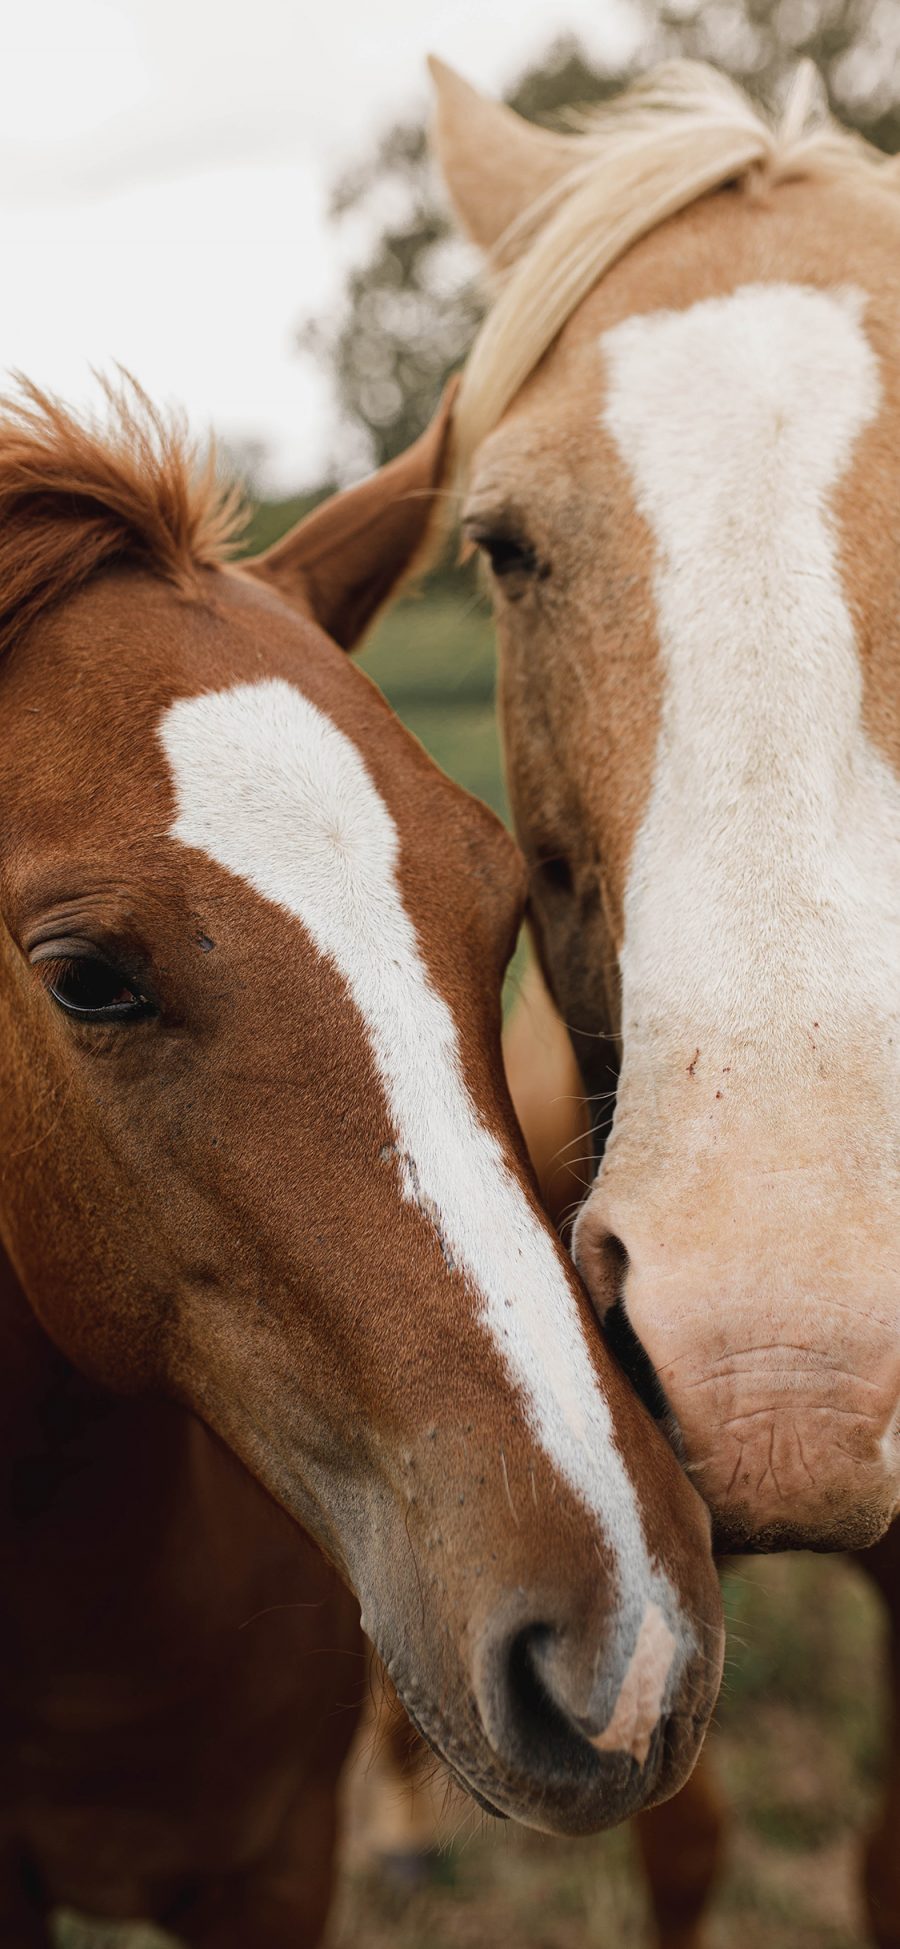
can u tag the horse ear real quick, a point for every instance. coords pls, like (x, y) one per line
(343, 562)
(494, 163)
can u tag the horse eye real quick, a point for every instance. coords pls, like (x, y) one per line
(92, 989)
(508, 553)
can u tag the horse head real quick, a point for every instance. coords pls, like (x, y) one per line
(678, 432)
(258, 1151)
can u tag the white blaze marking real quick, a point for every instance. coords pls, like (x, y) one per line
(640, 1700)
(765, 881)
(270, 789)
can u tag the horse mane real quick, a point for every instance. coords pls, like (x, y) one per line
(78, 495)
(668, 139)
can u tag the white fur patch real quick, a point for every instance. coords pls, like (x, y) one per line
(763, 899)
(638, 1706)
(269, 788)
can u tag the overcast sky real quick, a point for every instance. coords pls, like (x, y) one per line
(164, 171)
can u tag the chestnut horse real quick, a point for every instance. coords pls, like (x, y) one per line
(282, 1319)
(679, 438)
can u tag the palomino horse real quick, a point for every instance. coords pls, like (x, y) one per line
(264, 1203)
(679, 436)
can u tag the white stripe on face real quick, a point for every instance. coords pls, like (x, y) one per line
(763, 891)
(269, 788)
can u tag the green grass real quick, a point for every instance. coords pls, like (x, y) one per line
(433, 656)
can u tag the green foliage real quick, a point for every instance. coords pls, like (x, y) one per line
(411, 304)
(434, 660)
(269, 520)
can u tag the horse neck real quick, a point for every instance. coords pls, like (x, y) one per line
(34, 1371)
(64, 1440)
(91, 1479)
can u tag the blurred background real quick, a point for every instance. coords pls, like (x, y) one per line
(237, 204)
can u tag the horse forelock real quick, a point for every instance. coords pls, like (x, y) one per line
(78, 495)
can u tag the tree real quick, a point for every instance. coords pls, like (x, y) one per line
(411, 303)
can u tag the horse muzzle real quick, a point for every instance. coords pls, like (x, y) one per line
(571, 1732)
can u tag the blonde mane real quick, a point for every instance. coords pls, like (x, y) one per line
(682, 131)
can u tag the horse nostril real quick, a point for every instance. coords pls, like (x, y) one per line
(546, 1713)
(576, 1712)
(604, 1266)
(541, 1726)
(634, 1360)
(528, 1725)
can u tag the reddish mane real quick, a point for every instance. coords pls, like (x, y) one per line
(77, 496)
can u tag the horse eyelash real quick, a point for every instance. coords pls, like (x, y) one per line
(53, 970)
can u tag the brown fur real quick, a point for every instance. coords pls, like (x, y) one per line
(214, 1298)
(77, 497)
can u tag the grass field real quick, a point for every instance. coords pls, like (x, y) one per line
(799, 1727)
